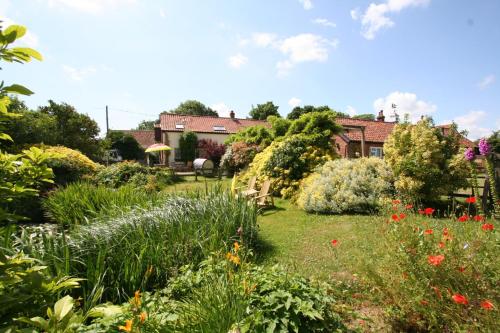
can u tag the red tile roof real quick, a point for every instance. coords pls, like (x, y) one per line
(375, 131)
(205, 124)
(145, 137)
(463, 140)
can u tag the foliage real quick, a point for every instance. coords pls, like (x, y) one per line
(126, 144)
(69, 165)
(187, 146)
(141, 249)
(72, 129)
(194, 108)
(426, 163)
(119, 174)
(262, 111)
(437, 275)
(346, 186)
(238, 156)
(318, 126)
(364, 116)
(26, 287)
(146, 125)
(494, 141)
(279, 126)
(299, 111)
(80, 203)
(254, 135)
(211, 150)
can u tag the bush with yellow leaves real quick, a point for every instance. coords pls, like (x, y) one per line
(70, 165)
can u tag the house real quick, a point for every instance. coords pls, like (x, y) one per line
(171, 126)
(363, 137)
(464, 142)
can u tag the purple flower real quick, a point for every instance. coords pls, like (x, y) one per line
(469, 154)
(484, 147)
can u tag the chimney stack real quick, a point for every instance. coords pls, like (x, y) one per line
(381, 116)
(231, 114)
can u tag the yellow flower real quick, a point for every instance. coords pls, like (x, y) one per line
(143, 316)
(137, 299)
(235, 260)
(236, 246)
(127, 327)
(228, 256)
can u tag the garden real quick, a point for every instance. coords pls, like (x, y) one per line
(350, 245)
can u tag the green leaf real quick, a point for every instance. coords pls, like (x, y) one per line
(17, 30)
(5, 136)
(63, 307)
(28, 52)
(17, 89)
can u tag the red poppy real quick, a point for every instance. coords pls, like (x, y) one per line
(478, 218)
(409, 206)
(441, 245)
(460, 299)
(428, 211)
(402, 216)
(421, 211)
(396, 202)
(487, 226)
(428, 231)
(461, 269)
(487, 305)
(470, 200)
(395, 217)
(435, 260)
(424, 302)
(335, 242)
(463, 218)
(445, 232)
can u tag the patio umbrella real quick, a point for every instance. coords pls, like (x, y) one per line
(157, 147)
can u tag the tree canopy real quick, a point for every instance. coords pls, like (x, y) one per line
(364, 116)
(301, 110)
(146, 125)
(194, 108)
(126, 144)
(262, 111)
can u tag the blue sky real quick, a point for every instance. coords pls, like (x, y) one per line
(433, 57)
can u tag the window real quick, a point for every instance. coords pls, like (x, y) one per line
(219, 128)
(179, 126)
(376, 151)
(177, 155)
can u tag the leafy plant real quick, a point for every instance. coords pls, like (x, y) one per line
(187, 146)
(254, 135)
(69, 165)
(119, 174)
(211, 150)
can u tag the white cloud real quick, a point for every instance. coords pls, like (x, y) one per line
(376, 15)
(351, 111)
(324, 22)
(222, 109)
(355, 14)
(78, 74)
(162, 13)
(294, 101)
(237, 60)
(242, 41)
(471, 122)
(486, 81)
(263, 39)
(307, 4)
(406, 103)
(88, 6)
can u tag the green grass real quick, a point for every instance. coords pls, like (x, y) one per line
(188, 184)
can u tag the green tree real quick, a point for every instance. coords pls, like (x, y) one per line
(194, 108)
(262, 111)
(494, 141)
(364, 116)
(126, 144)
(319, 126)
(74, 130)
(301, 110)
(188, 142)
(279, 126)
(254, 135)
(146, 125)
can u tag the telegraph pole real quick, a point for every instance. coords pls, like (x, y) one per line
(107, 121)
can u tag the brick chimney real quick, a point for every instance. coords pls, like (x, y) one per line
(381, 116)
(231, 114)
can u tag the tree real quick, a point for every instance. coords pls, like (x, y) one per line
(194, 108)
(494, 141)
(364, 116)
(262, 111)
(126, 144)
(279, 126)
(146, 125)
(301, 110)
(211, 150)
(256, 135)
(74, 130)
(187, 146)
(318, 126)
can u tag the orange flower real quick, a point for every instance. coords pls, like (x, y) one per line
(395, 217)
(487, 226)
(478, 218)
(435, 260)
(235, 260)
(463, 218)
(127, 327)
(335, 242)
(445, 232)
(429, 232)
(137, 299)
(236, 246)
(460, 299)
(487, 305)
(421, 211)
(396, 202)
(424, 302)
(409, 206)
(402, 216)
(437, 292)
(143, 316)
(428, 211)
(441, 245)
(461, 269)
(470, 200)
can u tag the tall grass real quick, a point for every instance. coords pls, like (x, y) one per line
(143, 248)
(80, 202)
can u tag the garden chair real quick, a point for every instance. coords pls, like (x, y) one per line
(250, 190)
(264, 199)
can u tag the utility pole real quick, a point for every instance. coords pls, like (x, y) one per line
(107, 121)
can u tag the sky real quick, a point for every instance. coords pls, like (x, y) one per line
(439, 58)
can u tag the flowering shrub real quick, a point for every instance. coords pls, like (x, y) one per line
(426, 164)
(70, 165)
(346, 186)
(238, 156)
(439, 275)
(211, 150)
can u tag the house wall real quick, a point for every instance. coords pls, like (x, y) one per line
(173, 141)
(341, 146)
(355, 146)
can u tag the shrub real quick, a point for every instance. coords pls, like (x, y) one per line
(187, 146)
(425, 163)
(346, 186)
(119, 174)
(70, 165)
(79, 203)
(238, 156)
(255, 135)
(143, 248)
(438, 274)
(211, 150)
(126, 144)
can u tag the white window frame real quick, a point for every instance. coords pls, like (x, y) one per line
(377, 152)
(219, 128)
